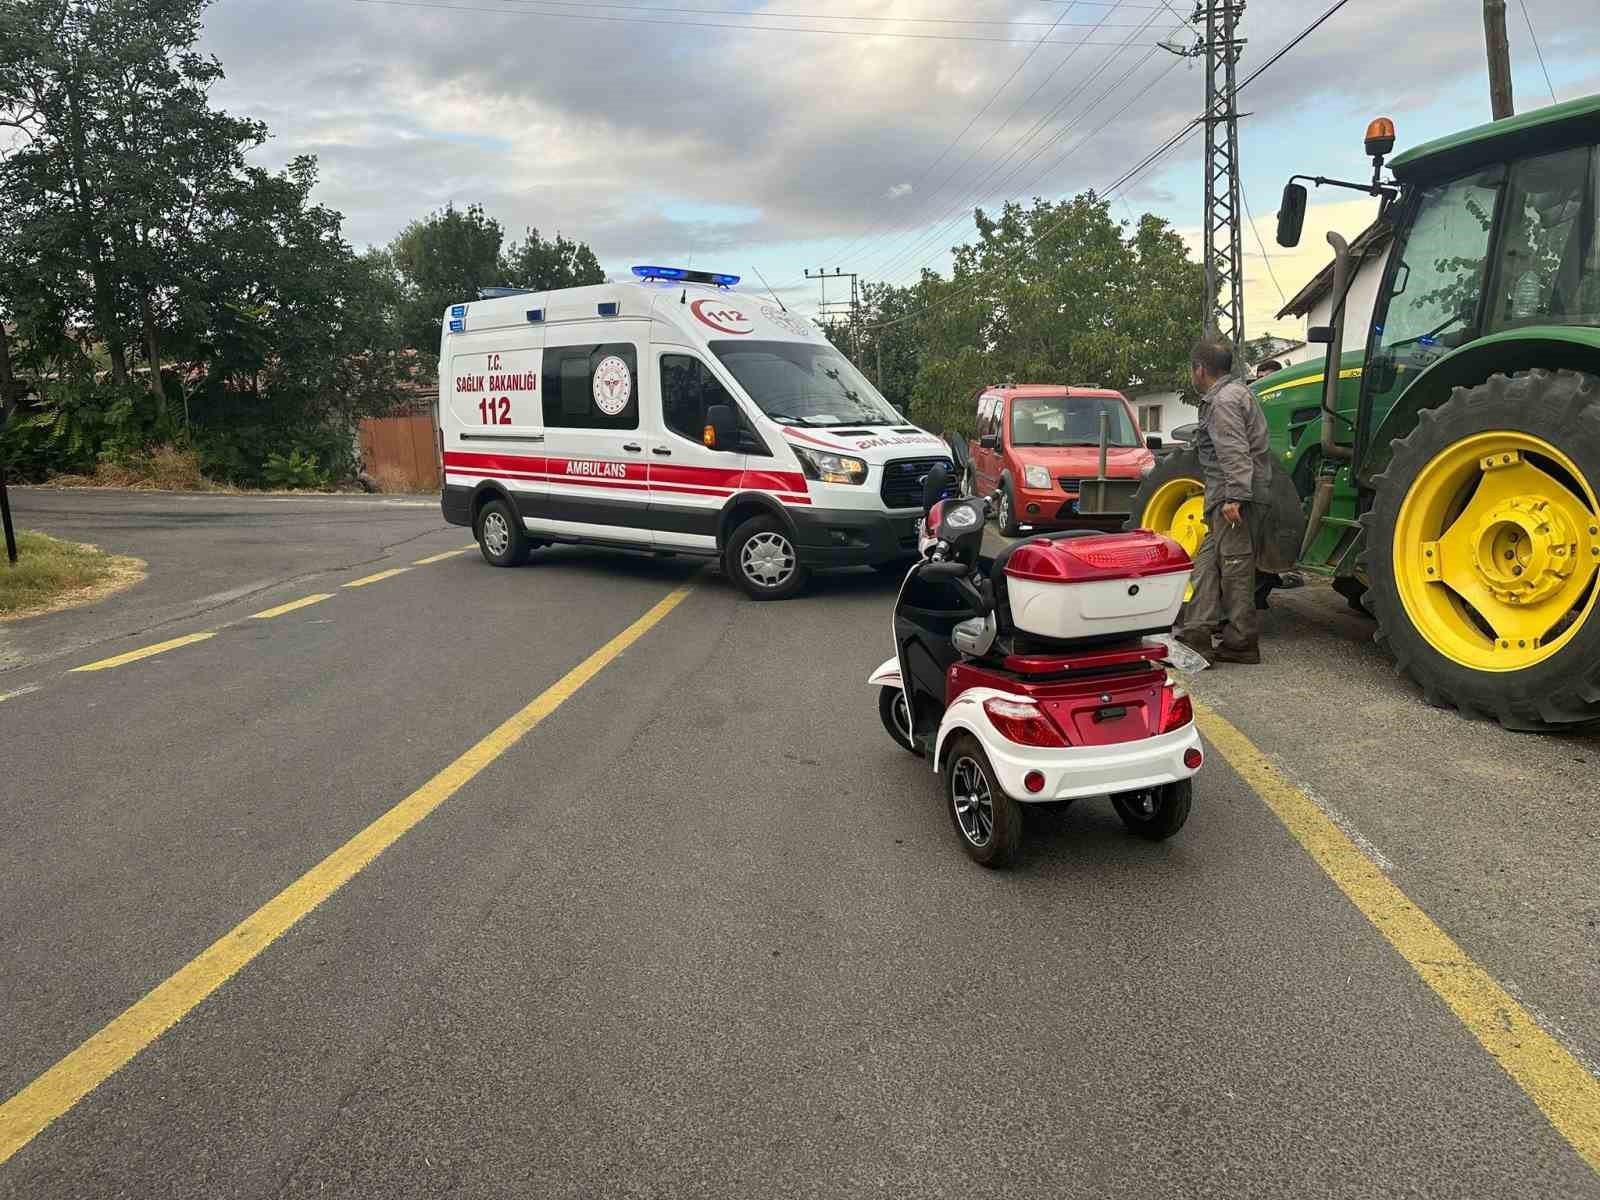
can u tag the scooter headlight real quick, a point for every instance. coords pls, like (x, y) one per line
(830, 468)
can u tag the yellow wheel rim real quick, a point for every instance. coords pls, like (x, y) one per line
(1178, 509)
(1496, 549)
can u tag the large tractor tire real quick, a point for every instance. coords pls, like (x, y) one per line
(1483, 548)
(1171, 500)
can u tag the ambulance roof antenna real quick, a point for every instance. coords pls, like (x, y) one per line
(768, 286)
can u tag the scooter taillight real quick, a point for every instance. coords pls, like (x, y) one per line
(1023, 723)
(1177, 710)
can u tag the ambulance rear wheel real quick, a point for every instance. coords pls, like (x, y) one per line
(1156, 813)
(501, 537)
(762, 559)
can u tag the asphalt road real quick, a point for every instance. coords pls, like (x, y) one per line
(704, 931)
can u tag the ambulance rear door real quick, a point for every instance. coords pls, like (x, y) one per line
(495, 427)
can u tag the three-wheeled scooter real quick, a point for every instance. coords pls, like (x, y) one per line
(1028, 677)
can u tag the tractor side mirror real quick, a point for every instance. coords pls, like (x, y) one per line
(1291, 214)
(933, 485)
(1153, 442)
(1321, 334)
(722, 428)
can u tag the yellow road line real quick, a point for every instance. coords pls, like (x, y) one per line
(1568, 1095)
(433, 558)
(303, 602)
(381, 575)
(80, 1072)
(135, 655)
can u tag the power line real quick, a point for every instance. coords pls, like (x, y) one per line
(822, 16)
(914, 241)
(957, 216)
(1262, 246)
(1027, 58)
(866, 33)
(1172, 143)
(1535, 37)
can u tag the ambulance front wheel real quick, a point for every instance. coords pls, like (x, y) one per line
(762, 559)
(501, 537)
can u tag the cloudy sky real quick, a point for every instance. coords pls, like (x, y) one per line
(844, 133)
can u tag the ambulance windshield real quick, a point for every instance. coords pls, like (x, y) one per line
(802, 383)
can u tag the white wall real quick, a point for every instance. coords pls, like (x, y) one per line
(1358, 307)
(1172, 412)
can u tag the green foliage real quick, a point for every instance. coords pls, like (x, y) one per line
(542, 265)
(132, 228)
(450, 255)
(1054, 293)
(297, 470)
(443, 260)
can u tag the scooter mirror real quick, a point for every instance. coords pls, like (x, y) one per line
(960, 452)
(933, 484)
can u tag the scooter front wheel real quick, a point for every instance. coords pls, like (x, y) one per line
(895, 714)
(988, 821)
(1156, 813)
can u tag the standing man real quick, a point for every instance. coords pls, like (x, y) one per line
(1232, 446)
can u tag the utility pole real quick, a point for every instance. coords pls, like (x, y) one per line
(832, 314)
(1223, 255)
(1499, 51)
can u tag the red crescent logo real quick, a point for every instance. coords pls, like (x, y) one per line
(715, 313)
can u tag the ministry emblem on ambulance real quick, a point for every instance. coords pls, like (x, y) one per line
(613, 385)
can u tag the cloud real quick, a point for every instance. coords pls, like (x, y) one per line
(650, 136)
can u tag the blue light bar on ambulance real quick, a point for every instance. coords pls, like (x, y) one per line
(683, 275)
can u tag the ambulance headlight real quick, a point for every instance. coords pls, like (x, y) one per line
(830, 468)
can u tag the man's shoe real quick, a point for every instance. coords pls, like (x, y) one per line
(1200, 643)
(1250, 654)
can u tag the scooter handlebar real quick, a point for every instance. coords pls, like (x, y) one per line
(945, 570)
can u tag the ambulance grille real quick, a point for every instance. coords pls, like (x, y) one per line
(902, 481)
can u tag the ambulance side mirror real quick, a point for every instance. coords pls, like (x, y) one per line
(722, 428)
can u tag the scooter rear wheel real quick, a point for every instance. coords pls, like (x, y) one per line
(1156, 813)
(988, 822)
(896, 717)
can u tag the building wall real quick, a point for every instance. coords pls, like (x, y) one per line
(1358, 307)
(1162, 412)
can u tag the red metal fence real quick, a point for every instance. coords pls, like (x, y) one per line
(401, 454)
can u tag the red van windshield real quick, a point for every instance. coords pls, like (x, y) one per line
(1070, 421)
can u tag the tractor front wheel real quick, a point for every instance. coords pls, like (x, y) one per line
(1483, 549)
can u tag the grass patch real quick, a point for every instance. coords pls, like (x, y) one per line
(51, 574)
(160, 468)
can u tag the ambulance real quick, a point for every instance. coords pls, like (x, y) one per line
(673, 414)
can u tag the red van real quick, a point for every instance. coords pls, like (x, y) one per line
(1037, 441)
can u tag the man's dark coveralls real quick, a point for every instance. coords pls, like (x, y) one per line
(1232, 447)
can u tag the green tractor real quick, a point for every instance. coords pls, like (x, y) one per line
(1448, 474)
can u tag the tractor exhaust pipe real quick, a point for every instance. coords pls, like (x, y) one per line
(1343, 277)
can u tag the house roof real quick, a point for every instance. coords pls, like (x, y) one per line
(1370, 240)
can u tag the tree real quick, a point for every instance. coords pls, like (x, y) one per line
(1056, 293)
(443, 259)
(542, 265)
(122, 154)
